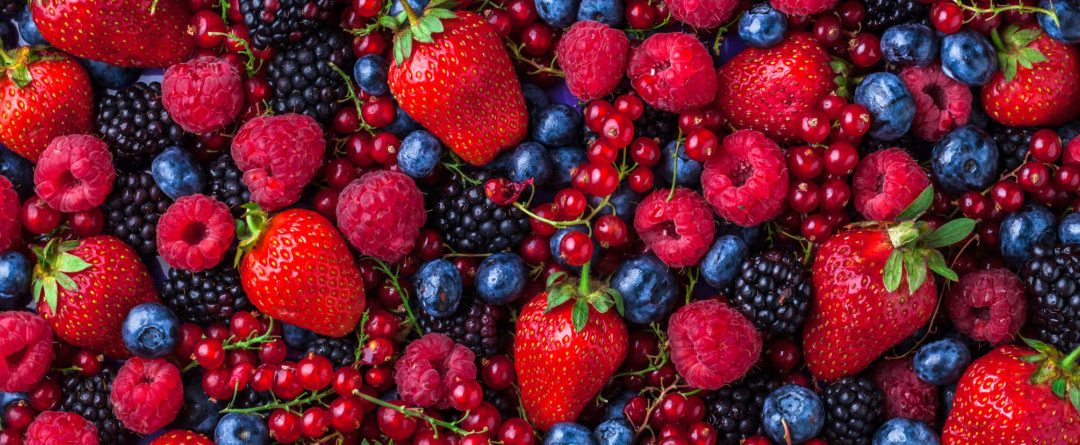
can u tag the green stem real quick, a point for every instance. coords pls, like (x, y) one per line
(413, 19)
(310, 398)
(253, 342)
(393, 277)
(995, 10)
(1070, 360)
(417, 413)
(583, 284)
(561, 224)
(4, 57)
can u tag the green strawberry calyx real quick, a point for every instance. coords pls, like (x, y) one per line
(562, 289)
(420, 28)
(1061, 372)
(249, 229)
(916, 243)
(1014, 49)
(54, 266)
(17, 66)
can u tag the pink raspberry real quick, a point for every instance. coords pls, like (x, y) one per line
(803, 7)
(429, 369)
(988, 305)
(279, 155)
(593, 56)
(673, 72)
(55, 427)
(194, 233)
(381, 214)
(26, 350)
(941, 103)
(74, 173)
(203, 95)
(147, 394)
(906, 395)
(747, 180)
(712, 344)
(886, 182)
(680, 230)
(10, 227)
(705, 14)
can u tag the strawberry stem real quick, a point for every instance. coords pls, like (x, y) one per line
(413, 19)
(583, 284)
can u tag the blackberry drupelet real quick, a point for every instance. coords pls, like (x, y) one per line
(132, 210)
(1051, 278)
(735, 409)
(881, 14)
(249, 398)
(773, 291)
(303, 80)
(504, 401)
(852, 411)
(10, 8)
(210, 296)
(340, 351)
(479, 326)
(89, 397)
(657, 124)
(226, 184)
(136, 125)
(276, 22)
(470, 223)
(1012, 143)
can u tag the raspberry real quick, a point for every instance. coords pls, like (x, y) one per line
(26, 348)
(147, 394)
(10, 227)
(381, 214)
(703, 14)
(747, 181)
(673, 72)
(593, 56)
(941, 103)
(279, 155)
(886, 182)
(905, 394)
(803, 7)
(988, 305)
(53, 427)
(680, 230)
(182, 437)
(74, 173)
(712, 344)
(203, 95)
(194, 233)
(430, 367)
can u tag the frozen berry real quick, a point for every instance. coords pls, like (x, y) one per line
(194, 233)
(803, 7)
(701, 14)
(74, 173)
(381, 214)
(905, 394)
(10, 209)
(147, 394)
(747, 181)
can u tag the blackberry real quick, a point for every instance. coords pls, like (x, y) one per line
(340, 351)
(1051, 278)
(276, 22)
(881, 14)
(1012, 144)
(470, 223)
(136, 125)
(655, 123)
(773, 291)
(132, 210)
(503, 401)
(10, 8)
(303, 79)
(917, 148)
(735, 409)
(89, 397)
(226, 185)
(852, 411)
(210, 296)
(249, 398)
(479, 326)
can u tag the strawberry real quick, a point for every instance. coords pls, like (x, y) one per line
(1017, 395)
(457, 81)
(567, 346)
(43, 94)
(862, 306)
(1039, 80)
(296, 268)
(129, 33)
(85, 288)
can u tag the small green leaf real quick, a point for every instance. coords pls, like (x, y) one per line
(71, 263)
(422, 33)
(1042, 374)
(1033, 358)
(50, 293)
(1032, 55)
(1023, 62)
(1058, 387)
(554, 278)
(1039, 346)
(69, 245)
(388, 22)
(440, 13)
(1010, 69)
(918, 206)
(433, 23)
(37, 287)
(916, 271)
(1024, 37)
(1074, 397)
(617, 297)
(936, 262)
(893, 271)
(558, 296)
(580, 315)
(66, 282)
(602, 303)
(950, 233)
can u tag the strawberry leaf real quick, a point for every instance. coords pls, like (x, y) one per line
(1022, 38)
(403, 46)
(1058, 387)
(918, 206)
(49, 284)
(1037, 345)
(580, 314)
(936, 262)
(66, 282)
(950, 233)
(440, 13)
(617, 297)
(555, 278)
(1074, 397)
(1032, 56)
(1042, 374)
(1033, 358)
(71, 263)
(602, 302)
(559, 295)
(916, 271)
(894, 271)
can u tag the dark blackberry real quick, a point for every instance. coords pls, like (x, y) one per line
(657, 124)
(481, 327)
(773, 291)
(249, 398)
(1012, 144)
(225, 184)
(205, 297)
(136, 125)
(735, 409)
(1051, 278)
(89, 397)
(470, 223)
(852, 411)
(304, 81)
(340, 351)
(917, 148)
(132, 210)
(881, 14)
(10, 8)
(276, 22)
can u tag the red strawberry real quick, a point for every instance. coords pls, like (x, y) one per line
(297, 269)
(1017, 395)
(85, 289)
(182, 437)
(457, 81)
(1039, 81)
(131, 33)
(43, 94)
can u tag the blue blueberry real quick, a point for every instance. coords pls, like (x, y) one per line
(557, 125)
(402, 124)
(28, 30)
(7, 398)
(529, 160)
(909, 44)
(792, 414)
(762, 26)
(15, 270)
(557, 13)
(417, 6)
(647, 287)
(9, 36)
(968, 57)
(553, 244)
(563, 160)
(721, 263)
(559, 93)
(500, 278)
(112, 77)
(901, 431)
(1069, 229)
(177, 174)
(535, 99)
(438, 288)
(241, 429)
(569, 433)
(297, 337)
(370, 72)
(150, 330)
(18, 170)
(749, 235)
(1067, 28)
(198, 413)
(687, 171)
(941, 362)
(608, 12)
(889, 103)
(614, 409)
(965, 159)
(614, 432)
(1022, 231)
(419, 154)
(623, 202)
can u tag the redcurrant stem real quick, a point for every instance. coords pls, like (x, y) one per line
(354, 98)
(361, 336)
(417, 413)
(995, 10)
(693, 277)
(583, 284)
(385, 269)
(561, 224)
(675, 165)
(515, 50)
(310, 398)
(413, 20)
(252, 342)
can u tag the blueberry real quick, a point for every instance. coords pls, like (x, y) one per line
(553, 244)
(909, 44)
(762, 26)
(608, 12)
(402, 124)
(941, 362)
(9, 36)
(1022, 231)
(559, 93)
(889, 103)
(623, 202)
(1067, 28)
(968, 57)
(112, 77)
(687, 171)
(529, 160)
(965, 159)
(15, 270)
(177, 174)
(1069, 229)
(721, 263)
(416, 5)
(614, 409)
(557, 13)
(614, 432)
(28, 30)
(535, 99)
(419, 154)
(438, 288)
(901, 431)
(500, 278)
(370, 72)
(297, 337)
(150, 330)
(569, 433)
(198, 413)
(647, 287)
(557, 125)
(563, 161)
(18, 170)
(749, 235)
(241, 429)
(792, 414)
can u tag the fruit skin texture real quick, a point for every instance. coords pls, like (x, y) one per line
(55, 427)
(1000, 293)
(853, 319)
(10, 227)
(119, 32)
(703, 14)
(769, 90)
(81, 157)
(939, 113)
(593, 56)
(747, 181)
(712, 344)
(905, 394)
(58, 100)
(26, 348)
(803, 7)
(203, 95)
(1046, 94)
(687, 214)
(182, 437)
(673, 72)
(559, 370)
(381, 214)
(210, 218)
(886, 182)
(463, 89)
(995, 403)
(147, 394)
(279, 155)
(297, 269)
(430, 367)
